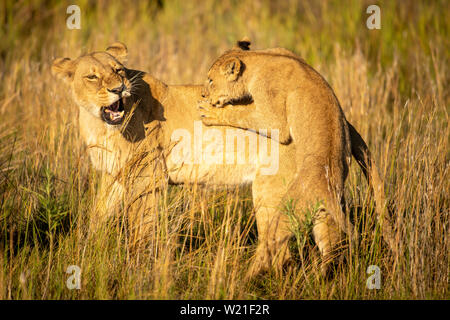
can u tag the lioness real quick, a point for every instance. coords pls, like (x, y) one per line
(295, 101)
(124, 112)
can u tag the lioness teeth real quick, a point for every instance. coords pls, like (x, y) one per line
(117, 115)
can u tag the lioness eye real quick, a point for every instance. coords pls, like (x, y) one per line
(92, 77)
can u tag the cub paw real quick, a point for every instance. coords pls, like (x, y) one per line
(209, 115)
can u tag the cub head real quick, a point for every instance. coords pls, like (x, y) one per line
(99, 82)
(225, 83)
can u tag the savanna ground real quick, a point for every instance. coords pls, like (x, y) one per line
(392, 84)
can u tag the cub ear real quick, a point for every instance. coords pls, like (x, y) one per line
(119, 51)
(63, 68)
(243, 44)
(231, 68)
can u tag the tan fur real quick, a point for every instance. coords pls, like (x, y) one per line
(162, 110)
(138, 155)
(120, 152)
(292, 98)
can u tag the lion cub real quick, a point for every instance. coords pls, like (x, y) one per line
(292, 104)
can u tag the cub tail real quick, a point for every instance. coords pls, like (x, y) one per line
(362, 155)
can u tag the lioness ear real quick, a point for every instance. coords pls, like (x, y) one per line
(243, 44)
(119, 51)
(231, 68)
(64, 68)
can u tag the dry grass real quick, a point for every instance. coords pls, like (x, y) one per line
(392, 84)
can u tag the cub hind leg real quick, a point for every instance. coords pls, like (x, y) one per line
(313, 194)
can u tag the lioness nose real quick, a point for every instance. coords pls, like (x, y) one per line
(117, 90)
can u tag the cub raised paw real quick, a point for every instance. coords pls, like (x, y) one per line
(210, 115)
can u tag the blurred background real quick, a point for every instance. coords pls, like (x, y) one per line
(162, 34)
(392, 84)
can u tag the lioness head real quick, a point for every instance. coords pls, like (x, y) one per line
(225, 84)
(99, 82)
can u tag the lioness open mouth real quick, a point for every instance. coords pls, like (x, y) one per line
(114, 113)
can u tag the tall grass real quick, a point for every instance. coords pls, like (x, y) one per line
(392, 85)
